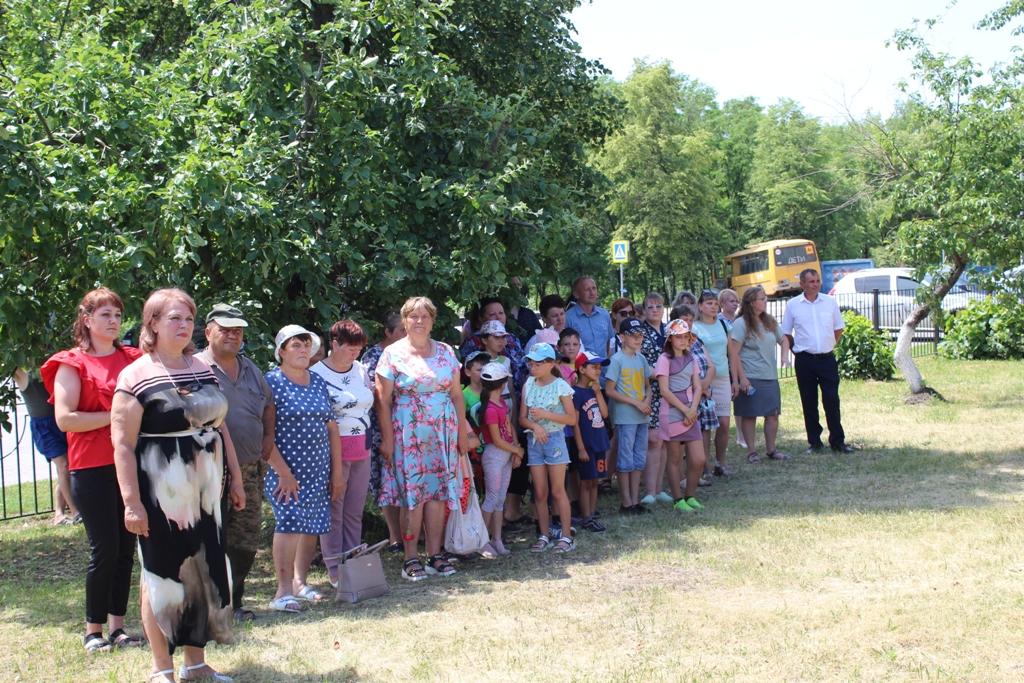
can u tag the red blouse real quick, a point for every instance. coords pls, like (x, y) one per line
(99, 378)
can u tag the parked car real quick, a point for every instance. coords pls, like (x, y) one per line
(897, 296)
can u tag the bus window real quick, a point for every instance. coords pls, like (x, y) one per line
(791, 256)
(753, 263)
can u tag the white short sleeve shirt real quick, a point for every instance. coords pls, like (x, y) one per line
(812, 325)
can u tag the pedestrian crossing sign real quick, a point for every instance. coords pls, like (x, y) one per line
(620, 251)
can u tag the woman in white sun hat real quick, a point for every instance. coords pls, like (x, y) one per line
(301, 484)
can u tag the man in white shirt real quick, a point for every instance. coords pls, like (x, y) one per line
(813, 325)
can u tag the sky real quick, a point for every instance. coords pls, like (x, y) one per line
(828, 55)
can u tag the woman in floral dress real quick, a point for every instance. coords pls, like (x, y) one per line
(422, 415)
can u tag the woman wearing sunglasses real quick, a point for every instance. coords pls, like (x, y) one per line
(621, 309)
(171, 450)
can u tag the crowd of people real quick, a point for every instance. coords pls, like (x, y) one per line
(171, 450)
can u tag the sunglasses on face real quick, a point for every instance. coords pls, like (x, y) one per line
(628, 313)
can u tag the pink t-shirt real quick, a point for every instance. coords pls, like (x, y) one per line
(496, 414)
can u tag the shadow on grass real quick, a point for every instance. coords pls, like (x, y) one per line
(42, 568)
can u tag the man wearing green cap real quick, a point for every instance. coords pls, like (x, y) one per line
(250, 418)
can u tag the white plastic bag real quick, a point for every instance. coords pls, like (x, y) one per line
(466, 532)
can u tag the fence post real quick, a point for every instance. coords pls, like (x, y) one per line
(935, 329)
(874, 310)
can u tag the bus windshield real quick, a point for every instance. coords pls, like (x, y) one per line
(791, 256)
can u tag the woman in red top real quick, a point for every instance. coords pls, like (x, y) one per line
(81, 383)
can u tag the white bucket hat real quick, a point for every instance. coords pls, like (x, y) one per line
(289, 331)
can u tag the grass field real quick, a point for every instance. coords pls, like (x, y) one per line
(902, 562)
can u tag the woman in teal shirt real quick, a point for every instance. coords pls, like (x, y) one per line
(714, 333)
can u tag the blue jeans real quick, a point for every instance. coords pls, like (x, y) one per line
(632, 447)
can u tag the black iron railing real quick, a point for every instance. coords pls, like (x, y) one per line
(26, 477)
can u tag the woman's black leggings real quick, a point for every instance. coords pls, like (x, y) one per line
(108, 579)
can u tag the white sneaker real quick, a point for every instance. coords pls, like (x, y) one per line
(648, 500)
(664, 497)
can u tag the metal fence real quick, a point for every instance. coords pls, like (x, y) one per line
(887, 311)
(26, 477)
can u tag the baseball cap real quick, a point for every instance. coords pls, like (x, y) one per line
(586, 357)
(630, 326)
(541, 351)
(226, 316)
(493, 327)
(474, 355)
(494, 371)
(677, 327)
(547, 336)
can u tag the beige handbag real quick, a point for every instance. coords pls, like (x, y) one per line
(361, 578)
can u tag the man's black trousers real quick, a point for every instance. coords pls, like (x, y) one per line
(813, 371)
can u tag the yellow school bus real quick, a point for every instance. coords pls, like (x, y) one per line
(774, 265)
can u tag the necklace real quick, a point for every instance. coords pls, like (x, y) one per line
(187, 389)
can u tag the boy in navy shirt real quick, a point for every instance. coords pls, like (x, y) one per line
(590, 434)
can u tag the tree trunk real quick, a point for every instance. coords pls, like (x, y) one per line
(902, 356)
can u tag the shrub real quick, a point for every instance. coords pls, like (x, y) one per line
(990, 328)
(863, 352)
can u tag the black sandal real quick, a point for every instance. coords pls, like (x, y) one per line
(119, 638)
(95, 642)
(775, 455)
(412, 570)
(752, 458)
(439, 564)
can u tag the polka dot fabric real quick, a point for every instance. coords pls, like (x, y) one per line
(301, 435)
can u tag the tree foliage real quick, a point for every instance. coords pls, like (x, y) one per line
(662, 166)
(957, 192)
(305, 160)
(798, 186)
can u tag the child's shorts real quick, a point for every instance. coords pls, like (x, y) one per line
(48, 438)
(554, 452)
(596, 468)
(632, 447)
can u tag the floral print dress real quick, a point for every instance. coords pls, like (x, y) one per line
(426, 428)
(651, 349)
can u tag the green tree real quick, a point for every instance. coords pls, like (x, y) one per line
(662, 167)
(305, 160)
(735, 131)
(957, 192)
(798, 186)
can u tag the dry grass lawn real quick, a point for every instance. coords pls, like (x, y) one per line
(903, 562)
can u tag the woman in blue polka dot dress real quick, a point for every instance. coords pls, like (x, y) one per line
(307, 475)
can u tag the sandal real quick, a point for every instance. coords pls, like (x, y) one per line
(119, 638)
(284, 604)
(604, 487)
(542, 544)
(412, 570)
(95, 642)
(164, 674)
(396, 547)
(705, 480)
(308, 594)
(63, 521)
(184, 675)
(775, 455)
(439, 564)
(564, 545)
(243, 614)
(752, 457)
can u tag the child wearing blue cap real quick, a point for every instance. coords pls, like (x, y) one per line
(545, 410)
